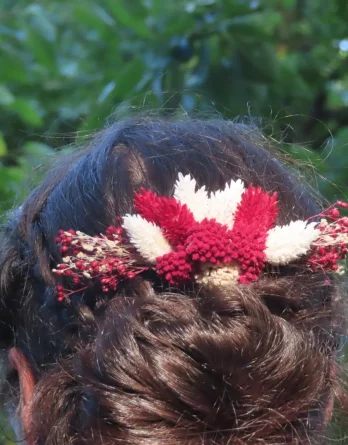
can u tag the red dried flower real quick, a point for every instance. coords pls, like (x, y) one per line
(332, 245)
(209, 243)
(87, 259)
(175, 219)
(255, 216)
(175, 267)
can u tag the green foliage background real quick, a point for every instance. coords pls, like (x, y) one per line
(65, 66)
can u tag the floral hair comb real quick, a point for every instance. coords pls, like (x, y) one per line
(226, 238)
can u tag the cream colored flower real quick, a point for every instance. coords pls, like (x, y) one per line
(288, 243)
(146, 237)
(219, 276)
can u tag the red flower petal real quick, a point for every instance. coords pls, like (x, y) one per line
(175, 219)
(258, 210)
(255, 216)
(147, 204)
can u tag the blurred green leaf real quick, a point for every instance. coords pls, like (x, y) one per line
(3, 146)
(27, 112)
(37, 149)
(232, 8)
(258, 24)
(95, 17)
(40, 22)
(260, 63)
(125, 18)
(129, 76)
(41, 49)
(107, 90)
(179, 25)
(6, 97)
(12, 68)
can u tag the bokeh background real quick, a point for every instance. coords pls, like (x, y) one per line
(68, 65)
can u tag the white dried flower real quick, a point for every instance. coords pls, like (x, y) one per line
(288, 243)
(223, 204)
(196, 201)
(146, 237)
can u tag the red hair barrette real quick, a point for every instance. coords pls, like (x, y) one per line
(222, 239)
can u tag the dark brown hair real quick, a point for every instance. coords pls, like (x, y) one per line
(155, 365)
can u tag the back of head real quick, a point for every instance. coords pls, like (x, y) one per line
(151, 363)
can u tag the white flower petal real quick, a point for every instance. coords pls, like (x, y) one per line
(222, 204)
(196, 201)
(146, 237)
(287, 243)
